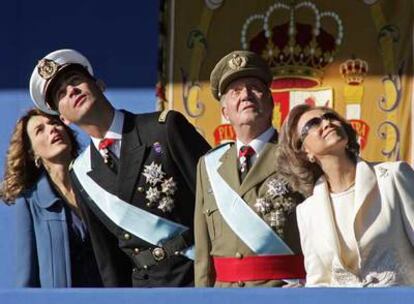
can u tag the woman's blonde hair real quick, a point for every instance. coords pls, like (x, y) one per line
(20, 172)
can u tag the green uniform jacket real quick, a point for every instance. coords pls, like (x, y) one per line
(213, 237)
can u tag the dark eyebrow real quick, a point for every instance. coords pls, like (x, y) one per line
(64, 79)
(71, 75)
(42, 123)
(36, 127)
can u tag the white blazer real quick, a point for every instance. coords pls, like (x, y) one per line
(383, 229)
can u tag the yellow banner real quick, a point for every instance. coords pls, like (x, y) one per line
(354, 55)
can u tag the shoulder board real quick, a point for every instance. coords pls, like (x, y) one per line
(220, 146)
(163, 116)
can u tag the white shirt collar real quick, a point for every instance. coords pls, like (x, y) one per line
(114, 131)
(258, 143)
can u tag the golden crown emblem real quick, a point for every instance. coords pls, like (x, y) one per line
(294, 47)
(354, 71)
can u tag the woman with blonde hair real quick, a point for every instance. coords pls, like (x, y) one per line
(53, 247)
(357, 224)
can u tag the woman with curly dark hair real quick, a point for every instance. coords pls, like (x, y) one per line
(53, 246)
(357, 224)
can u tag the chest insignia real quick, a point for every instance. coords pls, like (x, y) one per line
(276, 204)
(153, 173)
(161, 189)
(157, 147)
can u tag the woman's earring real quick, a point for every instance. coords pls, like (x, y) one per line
(311, 158)
(37, 162)
(351, 150)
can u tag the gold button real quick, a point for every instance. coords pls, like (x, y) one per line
(140, 189)
(159, 253)
(208, 211)
(127, 236)
(136, 250)
(239, 255)
(241, 283)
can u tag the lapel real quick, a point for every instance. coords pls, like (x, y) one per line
(365, 182)
(262, 168)
(228, 168)
(100, 172)
(44, 194)
(323, 210)
(131, 159)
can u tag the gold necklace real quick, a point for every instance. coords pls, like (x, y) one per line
(346, 189)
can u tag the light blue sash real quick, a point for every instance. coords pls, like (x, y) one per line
(145, 225)
(245, 223)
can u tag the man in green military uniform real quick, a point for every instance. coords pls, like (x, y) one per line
(245, 223)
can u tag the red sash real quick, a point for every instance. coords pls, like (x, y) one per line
(253, 268)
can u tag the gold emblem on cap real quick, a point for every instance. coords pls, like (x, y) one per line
(237, 62)
(47, 68)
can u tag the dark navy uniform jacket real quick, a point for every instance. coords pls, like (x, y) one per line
(176, 146)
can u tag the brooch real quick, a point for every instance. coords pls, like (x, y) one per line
(383, 172)
(161, 189)
(276, 204)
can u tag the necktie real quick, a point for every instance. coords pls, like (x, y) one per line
(245, 154)
(109, 157)
(105, 143)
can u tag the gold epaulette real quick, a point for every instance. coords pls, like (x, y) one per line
(163, 116)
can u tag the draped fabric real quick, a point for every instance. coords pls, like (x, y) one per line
(355, 56)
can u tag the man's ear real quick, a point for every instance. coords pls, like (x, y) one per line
(224, 112)
(101, 84)
(223, 107)
(64, 120)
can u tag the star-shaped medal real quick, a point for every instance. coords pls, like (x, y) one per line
(153, 173)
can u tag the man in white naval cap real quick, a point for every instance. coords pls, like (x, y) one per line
(135, 181)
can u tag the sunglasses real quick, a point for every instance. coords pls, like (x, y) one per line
(315, 123)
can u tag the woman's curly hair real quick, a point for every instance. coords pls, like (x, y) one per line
(20, 172)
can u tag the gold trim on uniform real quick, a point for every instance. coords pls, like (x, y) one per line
(163, 116)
